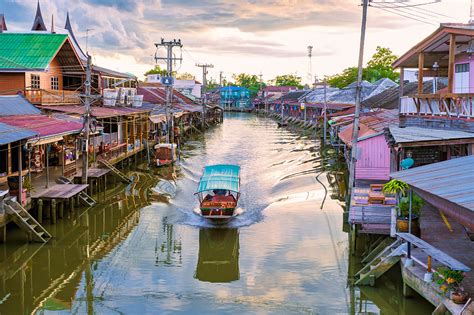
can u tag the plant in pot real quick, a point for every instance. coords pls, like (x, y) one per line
(28, 185)
(449, 281)
(399, 188)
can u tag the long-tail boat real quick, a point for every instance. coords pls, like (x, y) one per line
(218, 191)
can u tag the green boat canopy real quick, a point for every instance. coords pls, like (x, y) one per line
(220, 176)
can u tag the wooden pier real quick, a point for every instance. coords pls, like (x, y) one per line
(96, 178)
(57, 196)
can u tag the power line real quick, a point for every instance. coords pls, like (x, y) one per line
(412, 15)
(403, 15)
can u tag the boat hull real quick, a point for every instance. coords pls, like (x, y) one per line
(217, 213)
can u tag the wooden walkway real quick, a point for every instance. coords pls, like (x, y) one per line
(60, 191)
(371, 218)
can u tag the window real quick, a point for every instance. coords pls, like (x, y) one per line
(462, 67)
(54, 83)
(35, 81)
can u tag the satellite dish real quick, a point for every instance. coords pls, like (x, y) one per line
(407, 163)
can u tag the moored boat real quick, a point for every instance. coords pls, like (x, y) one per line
(165, 154)
(218, 191)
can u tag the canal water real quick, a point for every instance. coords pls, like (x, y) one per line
(139, 253)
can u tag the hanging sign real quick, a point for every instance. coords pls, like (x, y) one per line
(168, 81)
(302, 106)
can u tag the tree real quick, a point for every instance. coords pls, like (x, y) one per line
(249, 81)
(212, 84)
(378, 67)
(157, 70)
(287, 80)
(185, 76)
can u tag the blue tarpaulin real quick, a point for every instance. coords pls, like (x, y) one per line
(9, 134)
(221, 176)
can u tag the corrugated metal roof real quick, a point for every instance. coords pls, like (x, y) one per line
(415, 134)
(451, 180)
(9, 134)
(97, 111)
(42, 125)
(28, 50)
(16, 105)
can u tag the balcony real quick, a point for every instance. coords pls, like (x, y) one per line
(453, 111)
(52, 97)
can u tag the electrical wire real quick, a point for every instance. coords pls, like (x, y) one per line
(403, 15)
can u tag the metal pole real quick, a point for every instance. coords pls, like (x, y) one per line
(167, 106)
(87, 115)
(47, 164)
(355, 133)
(410, 211)
(325, 121)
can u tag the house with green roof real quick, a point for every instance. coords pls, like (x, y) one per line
(42, 66)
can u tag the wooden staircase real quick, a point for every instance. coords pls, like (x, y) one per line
(26, 222)
(84, 198)
(384, 258)
(117, 172)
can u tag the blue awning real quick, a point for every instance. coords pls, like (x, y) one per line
(220, 176)
(9, 134)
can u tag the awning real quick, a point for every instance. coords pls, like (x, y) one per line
(156, 119)
(221, 176)
(448, 185)
(44, 127)
(9, 134)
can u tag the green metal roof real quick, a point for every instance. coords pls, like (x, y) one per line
(221, 176)
(27, 51)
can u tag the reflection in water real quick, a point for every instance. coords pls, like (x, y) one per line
(218, 255)
(282, 254)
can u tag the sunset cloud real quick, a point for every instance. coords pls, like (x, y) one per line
(256, 32)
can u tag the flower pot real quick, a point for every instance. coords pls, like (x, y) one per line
(458, 297)
(403, 223)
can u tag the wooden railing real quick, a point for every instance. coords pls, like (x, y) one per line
(52, 97)
(448, 106)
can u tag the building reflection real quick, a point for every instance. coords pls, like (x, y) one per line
(40, 277)
(218, 259)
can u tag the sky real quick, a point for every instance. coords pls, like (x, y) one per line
(268, 37)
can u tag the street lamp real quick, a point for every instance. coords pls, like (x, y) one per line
(435, 81)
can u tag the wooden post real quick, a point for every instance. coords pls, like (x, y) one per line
(61, 209)
(46, 156)
(40, 210)
(393, 222)
(452, 55)
(20, 177)
(3, 234)
(9, 159)
(53, 211)
(421, 62)
(402, 88)
(429, 264)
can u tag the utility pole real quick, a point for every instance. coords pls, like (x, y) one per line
(310, 55)
(220, 79)
(169, 45)
(204, 67)
(355, 131)
(325, 121)
(87, 121)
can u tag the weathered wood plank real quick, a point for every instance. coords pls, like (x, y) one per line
(435, 253)
(61, 191)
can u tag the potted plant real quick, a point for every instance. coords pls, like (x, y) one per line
(399, 188)
(449, 281)
(27, 185)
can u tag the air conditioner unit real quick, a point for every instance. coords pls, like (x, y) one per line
(137, 101)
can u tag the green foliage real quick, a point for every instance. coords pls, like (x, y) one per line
(27, 184)
(184, 76)
(287, 80)
(156, 70)
(212, 84)
(378, 67)
(416, 204)
(395, 186)
(249, 81)
(449, 279)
